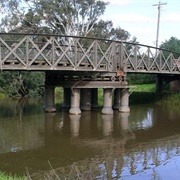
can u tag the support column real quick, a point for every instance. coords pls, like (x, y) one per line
(75, 102)
(159, 84)
(86, 99)
(107, 101)
(124, 102)
(49, 99)
(117, 96)
(66, 98)
(94, 98)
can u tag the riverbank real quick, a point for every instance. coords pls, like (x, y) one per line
(4, 176)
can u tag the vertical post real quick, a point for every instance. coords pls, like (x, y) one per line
(75, 101)
(95, 54)
(107, 101)
(94, 98)
(159, 83)
(49, 99)
(117, 96)
(86, 99)
(66, 98)
(124, 102)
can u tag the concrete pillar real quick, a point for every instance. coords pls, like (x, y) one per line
(159, 84)
(94, 98)
(75, 102)
(49, 99)
(66, 98)
(117, 97)
(86, 99)
(107, 101)
(124, 102)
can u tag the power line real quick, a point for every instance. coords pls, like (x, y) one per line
(158, 22)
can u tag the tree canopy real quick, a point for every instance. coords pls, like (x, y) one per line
(173, 44)
(65, 17)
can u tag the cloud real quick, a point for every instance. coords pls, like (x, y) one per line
(119, 2)
(130, 18)
(172, 18)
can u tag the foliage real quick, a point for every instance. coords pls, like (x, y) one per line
(141, 78)
(71, 17)
(22, 83)
(173, 44)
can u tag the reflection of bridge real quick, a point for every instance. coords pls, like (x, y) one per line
(84, 63)
(74, 148)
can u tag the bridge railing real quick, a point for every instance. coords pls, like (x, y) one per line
(55, 52)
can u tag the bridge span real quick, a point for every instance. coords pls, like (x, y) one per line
(81, 65)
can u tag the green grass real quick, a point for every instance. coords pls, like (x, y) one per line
(143, 88)
(4, 176)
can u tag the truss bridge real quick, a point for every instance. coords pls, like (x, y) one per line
(82, 63)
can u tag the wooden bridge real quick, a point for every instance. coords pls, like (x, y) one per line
(84, 63)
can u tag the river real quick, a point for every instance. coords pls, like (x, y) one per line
(143, 144)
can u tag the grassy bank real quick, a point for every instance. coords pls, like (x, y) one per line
(4, 176)
(146, 94)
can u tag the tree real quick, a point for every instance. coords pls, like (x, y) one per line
(68, 17)
(173, 44)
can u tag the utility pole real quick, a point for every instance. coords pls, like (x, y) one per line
(158, 22)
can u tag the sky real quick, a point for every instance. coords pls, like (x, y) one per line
(139, 18)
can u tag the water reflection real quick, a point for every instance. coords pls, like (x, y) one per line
(90, 145)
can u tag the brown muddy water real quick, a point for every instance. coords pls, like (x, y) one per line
(143, 144)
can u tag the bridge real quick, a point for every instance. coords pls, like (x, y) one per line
(81, 65)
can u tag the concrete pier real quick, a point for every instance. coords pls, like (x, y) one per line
(75, 101)
(159, 84)
(124, 100)
(66, 98)
(85, 99)
(49, 99)
(107, 101)
(117, 98)
(94, 98)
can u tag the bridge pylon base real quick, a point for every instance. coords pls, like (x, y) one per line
(75, 102)
(124, 102)
(107, 101)
(49, 99)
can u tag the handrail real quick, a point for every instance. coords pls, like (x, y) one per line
(90, 38)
